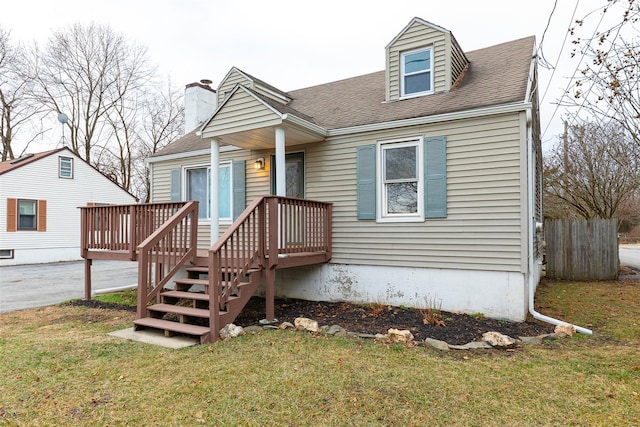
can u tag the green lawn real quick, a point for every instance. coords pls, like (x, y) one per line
(59, 367)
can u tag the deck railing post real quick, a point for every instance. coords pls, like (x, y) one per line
(133, 236)
(273, 231)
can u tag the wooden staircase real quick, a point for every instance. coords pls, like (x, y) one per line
(185, 310)
(272, 233)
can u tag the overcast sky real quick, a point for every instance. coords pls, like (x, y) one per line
(296, 44)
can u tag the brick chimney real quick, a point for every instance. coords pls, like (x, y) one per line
(199, 104)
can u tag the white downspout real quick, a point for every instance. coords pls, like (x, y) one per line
(531, 220)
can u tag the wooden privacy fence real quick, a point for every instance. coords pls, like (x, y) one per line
(582, 249)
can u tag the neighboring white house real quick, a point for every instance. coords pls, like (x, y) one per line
(39, 198)
(433, 166)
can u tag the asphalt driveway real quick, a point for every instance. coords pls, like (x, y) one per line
(630, 256)
(38, 285)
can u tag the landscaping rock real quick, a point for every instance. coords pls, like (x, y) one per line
(565, 329)
(498, 340)
(304, 324)
(253, 329)
(437, 344)
(286, 325)
(335, 330)
(231, 331)
(396, 335)
(531, 340)
(382, 337)
(268, 322)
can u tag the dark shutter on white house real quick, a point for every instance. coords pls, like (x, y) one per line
(435, 177)
(366, 181)
(239, 192)
(175, 185)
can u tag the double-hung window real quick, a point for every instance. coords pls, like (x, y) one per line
(27, 214)
(416, 72)
(401, 179)
(197, 187)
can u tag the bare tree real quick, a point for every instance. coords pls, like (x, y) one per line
(592, 172)
(163, 113)
(84, 72)
(607, 87)
(17, 109)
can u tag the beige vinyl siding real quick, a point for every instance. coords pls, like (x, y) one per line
(482, 229)
(242, 112)
(229, 83)
(417, 36)
(458, 60)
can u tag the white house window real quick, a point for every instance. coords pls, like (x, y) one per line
(197, 181)
(417, 72)
(27, 214)
(65, 167)
(400, 184)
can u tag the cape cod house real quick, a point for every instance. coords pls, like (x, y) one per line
(414, 185)
(40, 194)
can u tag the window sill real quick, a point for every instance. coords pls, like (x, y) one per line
(401, 219)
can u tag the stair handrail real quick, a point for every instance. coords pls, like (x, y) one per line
(241, 246)
(163, 252)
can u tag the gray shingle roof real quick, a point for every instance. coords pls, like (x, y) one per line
(496, 75)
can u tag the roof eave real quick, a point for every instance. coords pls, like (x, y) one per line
(414, 121)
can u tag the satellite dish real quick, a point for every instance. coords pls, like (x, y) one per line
(206, 81)
(62, 118)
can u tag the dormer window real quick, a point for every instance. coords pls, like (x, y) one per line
(417, 72)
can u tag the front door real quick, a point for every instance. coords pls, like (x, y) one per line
(294, 173)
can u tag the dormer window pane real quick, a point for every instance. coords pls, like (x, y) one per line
(417, 72)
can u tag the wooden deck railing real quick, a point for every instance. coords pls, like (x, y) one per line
(270, 228)
(164, 252)
(115, 231)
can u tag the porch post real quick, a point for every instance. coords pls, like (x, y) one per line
(281, 183)
(214, 211)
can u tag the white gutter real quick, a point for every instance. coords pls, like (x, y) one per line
(530, 221)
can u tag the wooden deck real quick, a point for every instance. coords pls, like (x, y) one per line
(272, 233)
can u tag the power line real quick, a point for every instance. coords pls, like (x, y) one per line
(564, 41)
(555, 111)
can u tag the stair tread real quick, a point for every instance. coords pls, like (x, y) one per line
(188, 281)
(178, 309)
(168, 325)
(186, 295)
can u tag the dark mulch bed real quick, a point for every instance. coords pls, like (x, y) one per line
(458, 329)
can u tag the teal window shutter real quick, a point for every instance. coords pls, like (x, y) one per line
(175, 185)
(435, 177)
(366, 185)
(239, 187)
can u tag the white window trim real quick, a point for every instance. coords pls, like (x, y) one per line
(207, 219)
(380, 193)
(60, 175)
(404, 95)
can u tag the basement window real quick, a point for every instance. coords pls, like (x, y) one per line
(6, 253)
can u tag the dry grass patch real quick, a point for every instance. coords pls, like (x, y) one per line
(611, 308)
(60, 367)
